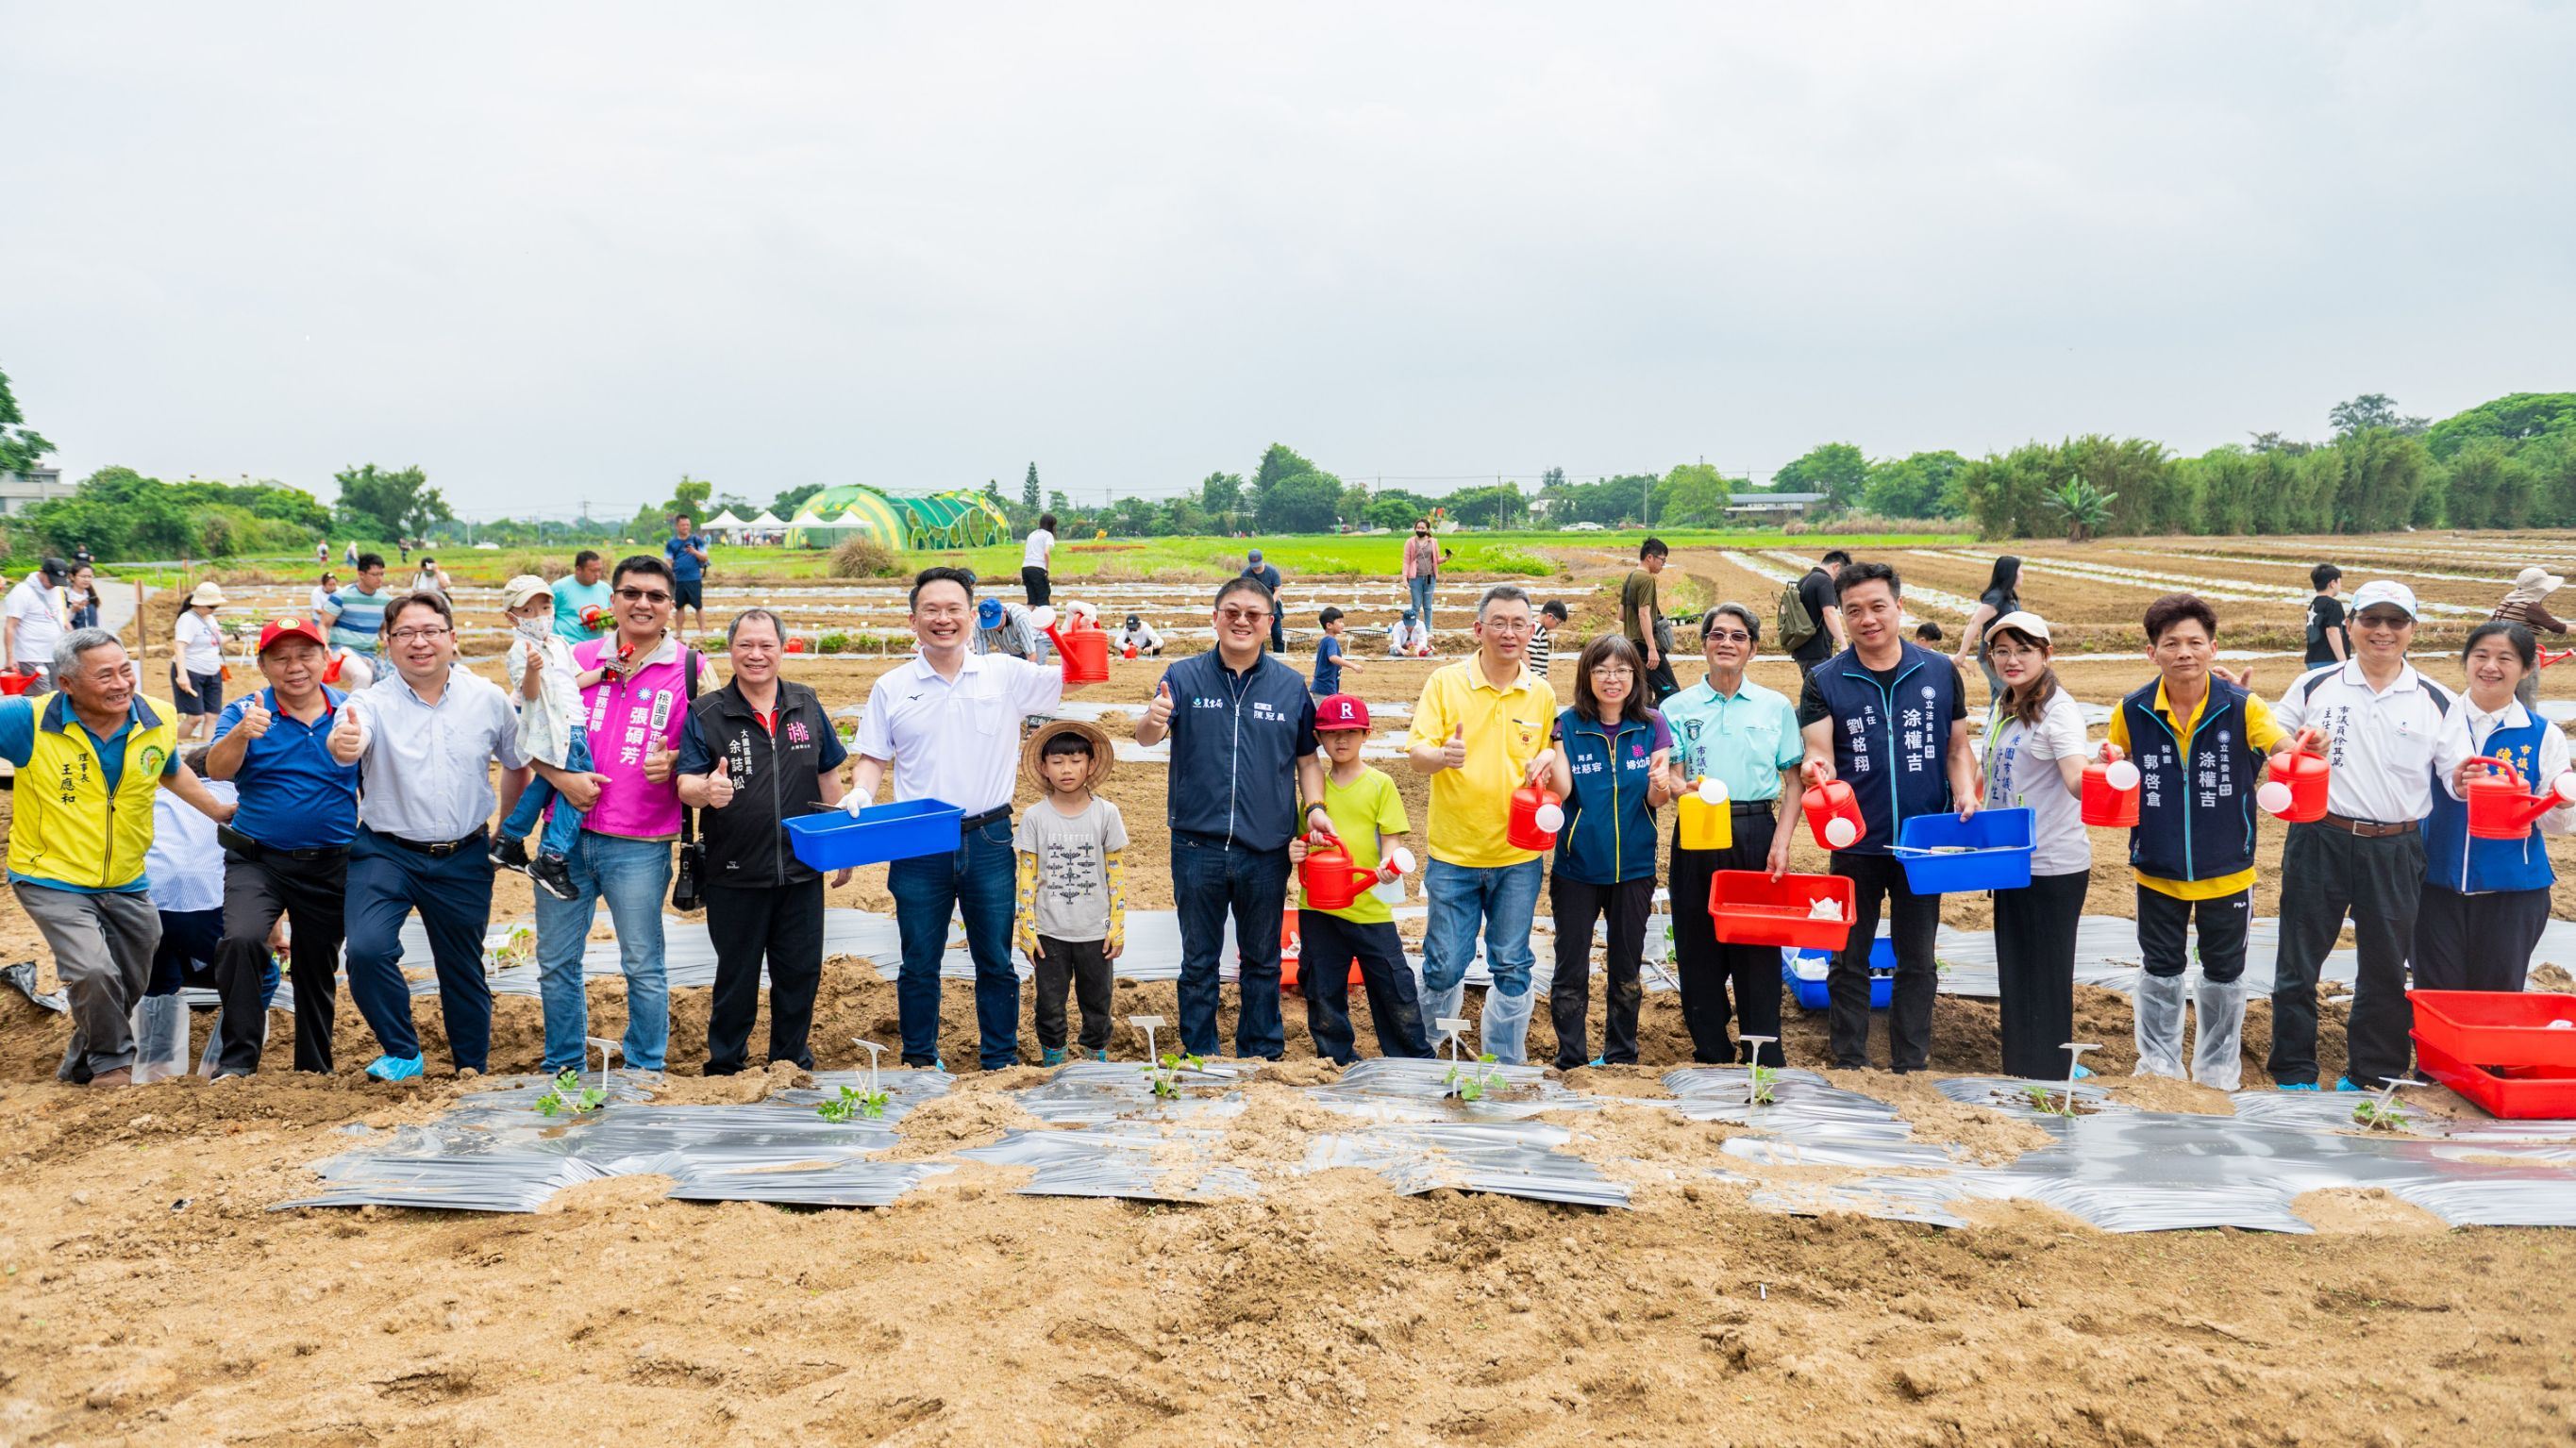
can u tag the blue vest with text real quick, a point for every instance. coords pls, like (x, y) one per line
(1892, 741)
(1609, 834)
(2196, 795)
(2454, 861)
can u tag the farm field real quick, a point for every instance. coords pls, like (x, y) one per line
(151, 1293)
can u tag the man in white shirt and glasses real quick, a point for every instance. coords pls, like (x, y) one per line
(947, 725)
(2379, 720)
(427, 736)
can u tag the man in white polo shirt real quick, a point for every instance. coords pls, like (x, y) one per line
(2378, 719)
(948, 724)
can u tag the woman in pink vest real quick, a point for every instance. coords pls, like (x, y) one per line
(630, 801)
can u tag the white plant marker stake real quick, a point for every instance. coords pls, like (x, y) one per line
(1147, 1025)
(2075, 1057)
(1450, 1026)
(1752, 1068)
(606, 1049)
(2388, 1099)
(874, 1050)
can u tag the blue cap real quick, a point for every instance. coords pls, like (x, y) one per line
(989, 613)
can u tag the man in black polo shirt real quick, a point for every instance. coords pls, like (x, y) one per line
(1243, 752)
(1816, 595)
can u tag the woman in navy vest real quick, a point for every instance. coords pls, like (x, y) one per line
(1609, 770)
(2486, 901)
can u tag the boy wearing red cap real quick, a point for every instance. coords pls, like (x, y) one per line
(1369, 817)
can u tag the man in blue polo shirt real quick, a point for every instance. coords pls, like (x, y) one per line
(688, 555)
(287, 849)
(1243, 750)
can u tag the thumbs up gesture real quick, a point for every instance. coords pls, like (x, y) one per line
(348, 738)
(657, 762)
(1159, 713)
(254, 720)
(719, 787)
(1453, 755)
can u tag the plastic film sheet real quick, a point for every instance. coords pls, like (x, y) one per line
(1402, 1089)
(1132, 1160)
(1804, 1107)
(1516, 1159)
(1089, 1092)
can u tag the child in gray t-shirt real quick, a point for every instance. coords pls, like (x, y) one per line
(1072, 886)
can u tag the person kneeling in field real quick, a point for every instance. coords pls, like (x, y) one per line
(1369, 816)
(1072, 848)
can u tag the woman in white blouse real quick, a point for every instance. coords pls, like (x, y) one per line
(2487, 901)
(2034, 760)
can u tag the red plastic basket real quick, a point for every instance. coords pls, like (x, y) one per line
(2516, 1093)
(1748, 907)
(2498, 1028)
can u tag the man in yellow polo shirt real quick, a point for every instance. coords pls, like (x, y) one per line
(2199, 738)
(1480, 732)
(89, 760)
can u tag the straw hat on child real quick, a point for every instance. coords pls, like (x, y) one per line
(1102, 752)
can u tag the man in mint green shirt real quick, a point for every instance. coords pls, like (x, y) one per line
(579, 591)
(1732, 730)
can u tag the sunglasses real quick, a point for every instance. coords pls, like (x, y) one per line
(647, 595)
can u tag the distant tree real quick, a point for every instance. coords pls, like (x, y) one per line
(2273, 442)
(1554, 478)
(1183, 518)
(1029, 489)
(689, 495)
(1056, 504)
(1393, 512)
(1921, 486)
(2514, 419)
(1278, 464)
(2374, 410)
(1308, 502)
(1220, 495)
(1499, 506)
(786, 503)
(1355, 504)
(400, 504)
(738, 504)
(2487, 486)
(1134, 518)
(2086, 508)
(1835, 469)
(1692, 495)
(21, 448)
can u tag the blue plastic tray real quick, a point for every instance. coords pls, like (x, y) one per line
(1815, 995)
(1998, 841)
(838, 840)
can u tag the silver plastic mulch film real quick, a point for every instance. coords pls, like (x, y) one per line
(1507, 1158)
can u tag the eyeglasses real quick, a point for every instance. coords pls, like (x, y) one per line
(1729, 636)
(647, 595)
(419, 635)
(1609, 671)
(1504, 625)
(2382, 620)
(1244, 615)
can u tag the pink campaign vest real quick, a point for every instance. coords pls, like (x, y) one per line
(623, 715)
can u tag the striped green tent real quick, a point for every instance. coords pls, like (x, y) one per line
(959, 519)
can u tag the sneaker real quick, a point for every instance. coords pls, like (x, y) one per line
(2082, 1071)
(394, 1068)
(553, 876)
(1051, 1056)
(2298, 1086)
(1100, 1055)
(510, 853)
(2344, 1083)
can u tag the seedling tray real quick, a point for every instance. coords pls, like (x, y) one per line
(2514, 1093)
(1944, 855)
(1817, 994)
(838, 840)
(1748, 907)
(2498, 1028)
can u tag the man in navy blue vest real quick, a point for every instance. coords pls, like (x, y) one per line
(1243, 751)
(1891, 720)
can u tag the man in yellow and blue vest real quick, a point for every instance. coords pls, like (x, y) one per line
(89, 760)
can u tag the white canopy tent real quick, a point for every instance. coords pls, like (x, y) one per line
(722, 522)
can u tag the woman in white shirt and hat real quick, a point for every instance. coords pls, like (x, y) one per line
(197, 673)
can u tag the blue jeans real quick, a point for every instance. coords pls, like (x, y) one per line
(1210, 877)
(632, 876)
(564, 825)
(1501, 899)
(976, 881)
(1421, 591)
(453, 893)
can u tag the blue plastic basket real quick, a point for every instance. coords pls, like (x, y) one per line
(1997, 842)
(1815, 995)
(838, 840)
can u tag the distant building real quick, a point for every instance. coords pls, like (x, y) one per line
(21, 491)
(1772, 507)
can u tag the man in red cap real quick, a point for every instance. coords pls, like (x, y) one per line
(287, 849)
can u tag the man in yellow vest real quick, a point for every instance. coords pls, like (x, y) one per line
(88, 761)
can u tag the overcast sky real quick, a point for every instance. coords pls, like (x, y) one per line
(554, 252)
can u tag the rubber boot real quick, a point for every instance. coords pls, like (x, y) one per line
(2215, 1058)
(2157, 1007)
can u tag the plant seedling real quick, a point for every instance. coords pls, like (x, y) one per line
(568, 1097)
(1759, 1079)
(872, 1101)
(1165, 1077)
(1471, 1086)
(2383, 1112)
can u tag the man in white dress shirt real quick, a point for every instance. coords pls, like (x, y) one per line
(427, 736)
(2379, 720)
(948, 725)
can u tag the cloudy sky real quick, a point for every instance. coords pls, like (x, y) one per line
(560, 252)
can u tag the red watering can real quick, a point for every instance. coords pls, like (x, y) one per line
(2111, 793)
(1084, 647)
(1537, 814)
(1128, 652)
(2297, 789)
(1833, 816)
(2500, 809)
(1332, 882)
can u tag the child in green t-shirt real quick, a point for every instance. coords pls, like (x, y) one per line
(1369, 817)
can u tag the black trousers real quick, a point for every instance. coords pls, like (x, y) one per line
(312, 895)
(1034, 580)
(782, 924)
(2327, 874)
(1326, 946)
(2035, 968)
(1917, 922)
(1569, 996)
(2164, 941)
(1705, 967)
(1083, 968)
(2507, 926)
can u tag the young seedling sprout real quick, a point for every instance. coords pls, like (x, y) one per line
(1758, 1079)
(1467, 1085)
(872, 1102)
(2382, 1112)
(1163, 1071)
(2074, 1070)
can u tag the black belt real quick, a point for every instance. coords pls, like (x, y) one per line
(438, 851)
(977, 822)
(250, 849)
(2367, 829)
(1742, 807)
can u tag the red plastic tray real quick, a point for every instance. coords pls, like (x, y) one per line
(2517, 1093)
(1748, 907)
(2498, 1028)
